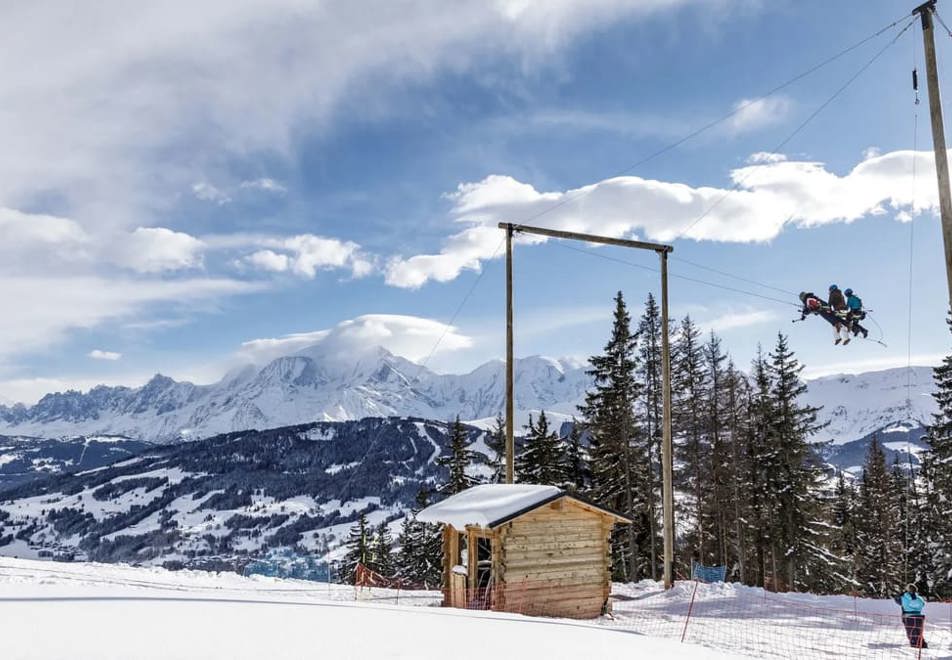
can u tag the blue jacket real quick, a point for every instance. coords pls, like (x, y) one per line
(912, 604)
(854, 303)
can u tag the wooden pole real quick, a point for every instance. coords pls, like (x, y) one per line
(510, 378)
(667, 454)
(925, 12)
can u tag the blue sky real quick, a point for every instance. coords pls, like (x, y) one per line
(187, 188)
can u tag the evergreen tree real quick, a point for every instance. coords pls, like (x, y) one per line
(843, 540)
(459, 458)
(542, 459)
(798, 525)
(650, 373)
(936, 510)
(381, 551)
(759, 471)
(617, 447)
(738, 395)
(689, 386)
(420, 560)
(358, 550)
(878, 549)
(577, 476)
(496, 442)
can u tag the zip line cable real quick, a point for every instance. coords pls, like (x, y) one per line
(941, 22)
(702, 129)
(740, 182)
(732, 276)
(675, 275)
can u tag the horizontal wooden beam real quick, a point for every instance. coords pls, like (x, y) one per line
(588, 238)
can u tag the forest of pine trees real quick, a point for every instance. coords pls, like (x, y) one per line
(752, 493)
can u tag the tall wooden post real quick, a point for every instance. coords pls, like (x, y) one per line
(510, 377)
(925, 12)
(667, 454)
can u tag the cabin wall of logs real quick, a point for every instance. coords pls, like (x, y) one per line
(554, 560)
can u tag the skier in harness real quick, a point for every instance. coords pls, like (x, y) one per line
(841, 313)
(855, 314)
(913, 620)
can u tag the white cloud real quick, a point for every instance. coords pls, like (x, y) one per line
(157, 249)
(412, 337)
(772, 194)
(39, 311)
(138, 101)
(754, 114)
(209, 193)
(303, 255)
(97, 354)
(265, 183)
(734, 320)
(268, 260)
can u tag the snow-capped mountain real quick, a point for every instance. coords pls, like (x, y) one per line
(319, 385)
(873, 402)
(311, 385)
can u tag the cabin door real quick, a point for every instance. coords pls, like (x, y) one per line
(480, 555)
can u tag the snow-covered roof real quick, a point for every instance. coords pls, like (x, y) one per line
(490, 505)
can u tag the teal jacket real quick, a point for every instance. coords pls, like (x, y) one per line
(854, 303)
(912, 604)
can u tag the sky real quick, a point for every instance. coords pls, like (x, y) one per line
(186, 187)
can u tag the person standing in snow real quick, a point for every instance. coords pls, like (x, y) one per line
(913, 620)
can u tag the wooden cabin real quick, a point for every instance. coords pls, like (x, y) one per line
(524, 548)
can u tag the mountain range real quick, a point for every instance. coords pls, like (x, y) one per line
(318, 385)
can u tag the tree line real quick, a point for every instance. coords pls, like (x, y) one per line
(752, 490)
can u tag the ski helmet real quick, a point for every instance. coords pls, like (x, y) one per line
(833, 287)
(848, 292)
(803, 296)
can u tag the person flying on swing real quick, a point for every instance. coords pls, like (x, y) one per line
(856, 313)
(841, 312)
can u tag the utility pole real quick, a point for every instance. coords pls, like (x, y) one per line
(510, 378)
(667, 457)
(667, 454)
(925, 11)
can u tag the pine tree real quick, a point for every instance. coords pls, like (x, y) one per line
(458, 459)
(936, 511)
(358, 550)
(879, 550)
(843, 540)
(650, 372)
(796, 486)
(496, 442)
(577, 475)
(738, 395)
(420, 559)
(617, 447)
(381, 551)
(692, 448)
(759, 470)
(542, 459)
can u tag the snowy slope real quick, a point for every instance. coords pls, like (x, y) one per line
(95, 612)
(857, 406)
(114, 612)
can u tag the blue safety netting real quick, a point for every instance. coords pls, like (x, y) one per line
(703, 573)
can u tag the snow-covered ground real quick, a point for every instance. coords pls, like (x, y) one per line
(106, 612)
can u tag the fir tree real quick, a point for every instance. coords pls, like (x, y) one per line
(843, 540)
(381, 551)
(577, 476)
(542, 459)
(878, 550)
(616, 446)
(420, 559)
(358, 550)
(458, 459)
(496, 442)
(796, 483)
(936, 515)
(650, 372)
